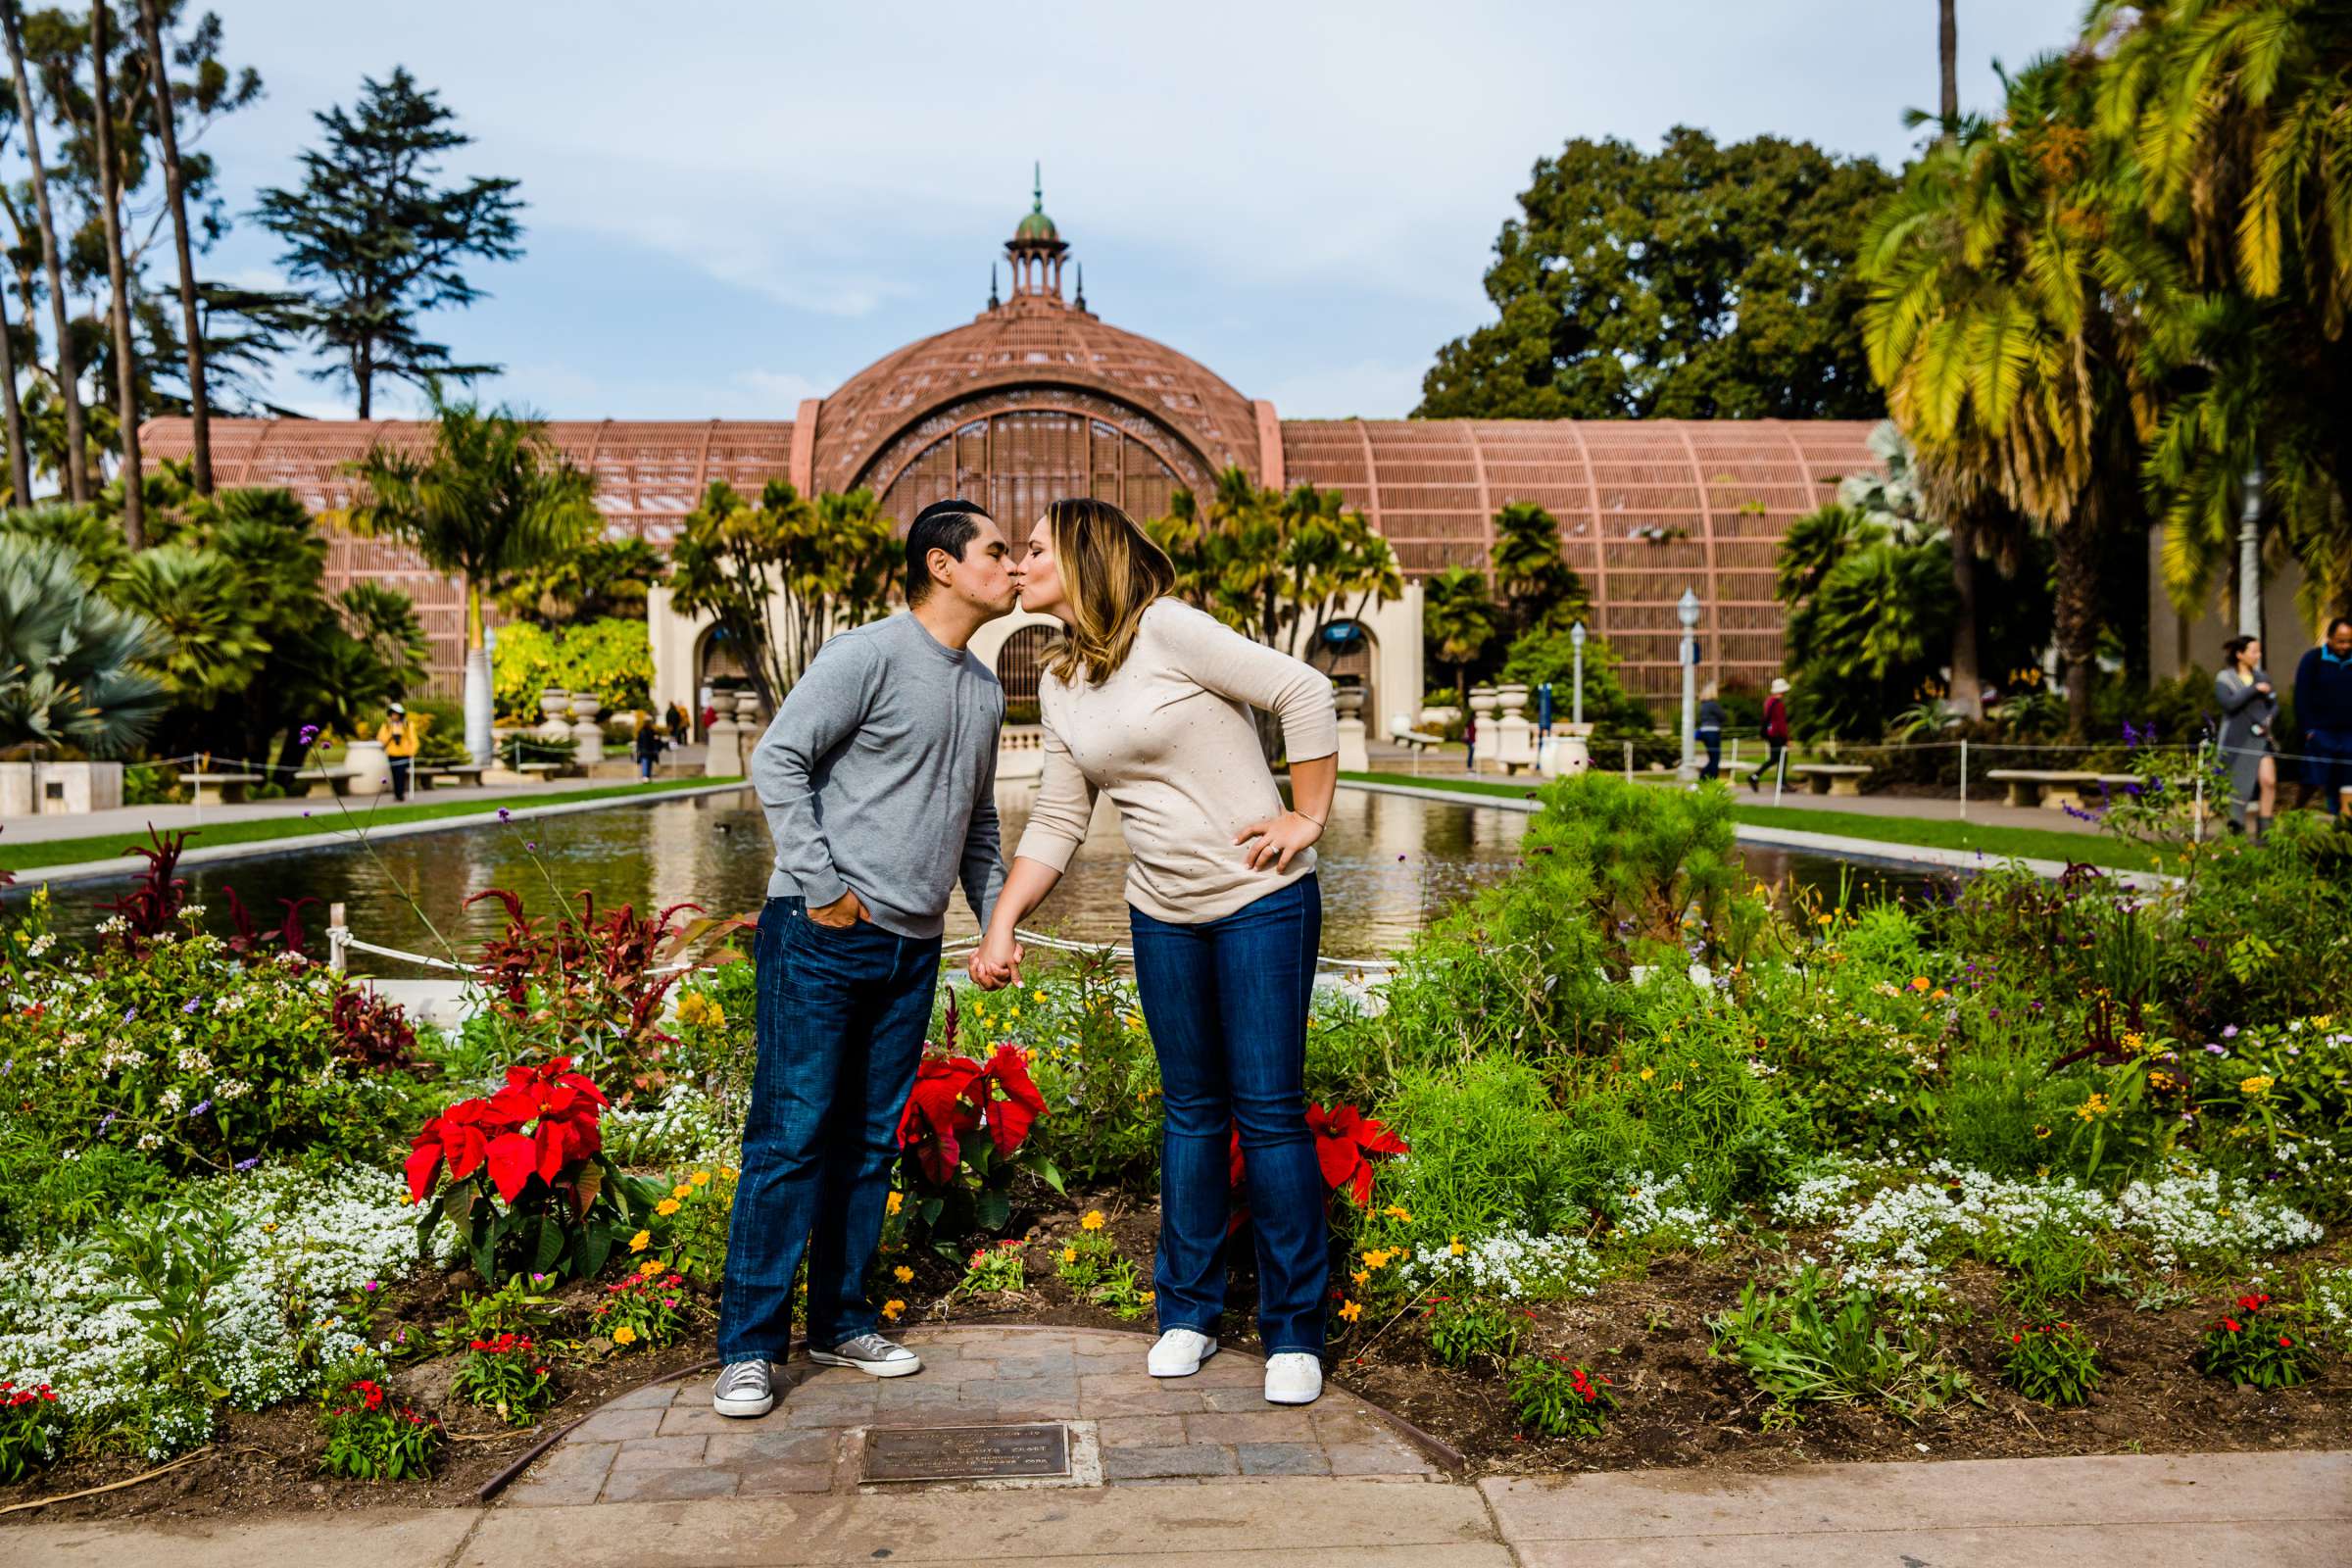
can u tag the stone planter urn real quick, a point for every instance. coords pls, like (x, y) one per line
(1348, 699)
(555, 711)
(370, 769)
(587, 735)
(1354, 756)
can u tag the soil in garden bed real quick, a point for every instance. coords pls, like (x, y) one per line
(1681, 1407)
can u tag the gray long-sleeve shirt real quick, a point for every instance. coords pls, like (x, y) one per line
(880, 773)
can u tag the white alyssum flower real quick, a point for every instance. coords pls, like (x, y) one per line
(1510, 1265)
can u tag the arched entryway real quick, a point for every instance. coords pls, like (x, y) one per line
(1018, 665)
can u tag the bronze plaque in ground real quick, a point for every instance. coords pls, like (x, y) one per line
(966, 1453)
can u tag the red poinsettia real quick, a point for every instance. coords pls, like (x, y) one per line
(1344, 1139)
(543, 1120)
(955, 1096)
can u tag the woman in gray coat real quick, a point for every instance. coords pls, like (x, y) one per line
(2249, 707)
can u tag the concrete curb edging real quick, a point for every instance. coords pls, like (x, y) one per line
(341, 837)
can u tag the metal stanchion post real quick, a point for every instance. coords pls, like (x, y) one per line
(1628, 762)
(1780, 777)
(1964, 778)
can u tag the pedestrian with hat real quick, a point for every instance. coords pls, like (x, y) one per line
(400, 735)
(1776, 732)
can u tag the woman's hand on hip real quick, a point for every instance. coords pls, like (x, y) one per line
(1279, 839)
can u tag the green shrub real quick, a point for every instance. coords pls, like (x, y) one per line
(508, 1374)
(1814, 1344)
(1465, 1333)
(1490, 1151)
(1553, 1395)
(1090, 1055)
(2258, 1347)
(2054, 1364)
(371, 1435)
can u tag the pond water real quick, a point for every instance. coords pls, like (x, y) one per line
(1390, 864)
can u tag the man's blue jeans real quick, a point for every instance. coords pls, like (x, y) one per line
(1227, 1002)
(840, 1028)
(2329, 768)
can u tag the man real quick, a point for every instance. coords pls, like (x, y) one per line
(878, 777)
(399, 735)
(2323, 709)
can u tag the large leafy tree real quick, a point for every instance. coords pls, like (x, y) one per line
(1539, 587)
(492, 497)
(782, 573)
(1702, 281)
(2236, 116)
(603, 579)
(2009, 297)
(1460, 621)
(1277, 565)
(381, 244)
(73, 668)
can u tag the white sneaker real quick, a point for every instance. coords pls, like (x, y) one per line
(871, 1355)
(1293, 1378)
(1179, 1353)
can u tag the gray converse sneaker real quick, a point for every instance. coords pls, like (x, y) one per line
(872, 1354)
(744, 1389)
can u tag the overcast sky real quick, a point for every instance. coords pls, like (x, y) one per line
(736, 206)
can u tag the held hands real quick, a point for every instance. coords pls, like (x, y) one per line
(997, 962)
(1279, 838)
(842, 912)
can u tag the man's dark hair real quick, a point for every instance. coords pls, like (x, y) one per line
(948, 525)
(2340, 621)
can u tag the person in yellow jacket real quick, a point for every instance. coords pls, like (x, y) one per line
(400, 735)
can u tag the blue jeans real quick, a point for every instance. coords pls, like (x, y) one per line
(2329, 768)
(1712, 740)
(840, 1024)
(1227, 1002)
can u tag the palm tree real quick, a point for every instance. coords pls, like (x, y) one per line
(72, 667)
(167, 125)
(2009, 285)
(69, 376)
(1458, 619)
(117, 275)
(1537, 583)
(491, 498)
(2234, 112)
(1948, 56)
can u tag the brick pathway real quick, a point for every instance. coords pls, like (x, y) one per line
(1127, 1428)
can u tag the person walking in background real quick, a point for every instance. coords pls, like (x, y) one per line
(1470, 742)
(1710, 731)
(400, 735)
(2323, 709)
(1147, 700)
(648, 746)
(2249, 709)
(675, 722)
(1776, 732)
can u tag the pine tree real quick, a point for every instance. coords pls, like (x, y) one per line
(380, 243)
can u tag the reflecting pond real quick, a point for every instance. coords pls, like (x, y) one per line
(1390, 864)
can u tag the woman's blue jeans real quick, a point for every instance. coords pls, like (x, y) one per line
(1227, 1002)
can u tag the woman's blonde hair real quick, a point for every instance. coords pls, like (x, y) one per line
(1111, 573)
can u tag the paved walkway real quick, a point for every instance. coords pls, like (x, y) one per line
(2241, 1510)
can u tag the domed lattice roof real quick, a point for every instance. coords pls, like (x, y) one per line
(1030, 341)
(1036, 226)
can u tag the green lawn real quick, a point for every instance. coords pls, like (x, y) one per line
(1938, 833)
(327, 816)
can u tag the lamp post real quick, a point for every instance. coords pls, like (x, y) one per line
(2249, 557)
(1688, 613)
(1576, 641)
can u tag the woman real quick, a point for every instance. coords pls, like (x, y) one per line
(1776, 732)
(1710, 731)
(1147, 700)
(2249, 708)
(648, 746)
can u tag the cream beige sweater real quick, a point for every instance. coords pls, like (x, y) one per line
(1170, 739)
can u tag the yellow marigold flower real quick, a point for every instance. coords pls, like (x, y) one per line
(666, 1208)
(681, 1191)
(1349, 1311)
(892, 1308)
(2091, 1109)
(1038, 996)
(650, 1267)
(1362, 1278)
(1070, 1254)
(641, 1241)
(897, 1202)
(1455, 1247)
(2042, 1132)
(2256, 1084)
(1378, 1259)
(701, 1178)
(624, 1335)
(1647, 1073)
(903, 1274)
(1093, 1220)
(1146, 1297)
(1920, 982)
(729, 1171)
(1675, 1087)
(1397, 1211)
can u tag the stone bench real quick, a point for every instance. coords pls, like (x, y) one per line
(447, 774)
(2054, 789)
(319, 783)
(1832, 778)
(220, 789)
(521, 772)
(1418, 741)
